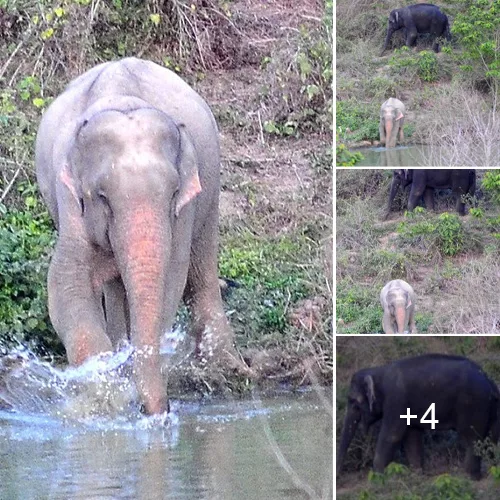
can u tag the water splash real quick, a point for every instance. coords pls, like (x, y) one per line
(101, 392)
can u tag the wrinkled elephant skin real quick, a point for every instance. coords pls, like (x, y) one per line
(392, 118)
(127, 160)
(398, 302)
(465, 399)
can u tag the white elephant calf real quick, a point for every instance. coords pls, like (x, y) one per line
(392, 117)
(398, 301)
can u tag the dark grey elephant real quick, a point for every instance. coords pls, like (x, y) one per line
(423, 182)
(127, 161)
(466, 401)
(392, 119)
(417, 19)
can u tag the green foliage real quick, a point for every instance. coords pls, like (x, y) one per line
(451, 234)
(494, 472)
(428, 66)
(491, 183)
(477, 29)
(357, 119)
(424, 64)
(446, 233)
(446, 487)
(358, 309)
(346, 158)
(25, 238)
(272, 279)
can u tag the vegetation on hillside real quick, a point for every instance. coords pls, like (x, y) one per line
(270, 90)
(450, 97)
(444, 477)
(451, 261)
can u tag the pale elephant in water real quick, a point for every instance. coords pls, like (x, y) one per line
(392, 117)
(398, 302)
(127, 160)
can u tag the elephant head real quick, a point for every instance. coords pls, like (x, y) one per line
(398, 301)
(400, 178)
(364, 404)
(396, 22)
(132, 173)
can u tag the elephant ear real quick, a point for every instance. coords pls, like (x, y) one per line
(408, 300)
(399, 114)
(66, 177)
(370, 391)
(190, 185)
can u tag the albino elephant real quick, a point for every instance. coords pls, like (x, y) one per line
(398, 302)
(392, 118)
(127, 160)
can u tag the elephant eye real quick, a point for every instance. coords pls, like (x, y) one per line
(82, 206)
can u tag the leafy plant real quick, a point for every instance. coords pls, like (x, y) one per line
(477, 28)
(25, 238)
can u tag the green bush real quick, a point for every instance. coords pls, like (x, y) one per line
(273, 279)
(26, 237)
(423, 64)
(446, 233)
(358, 309)
(358, 120)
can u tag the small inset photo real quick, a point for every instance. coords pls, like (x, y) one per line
(417, 251)
(418, 417)
(416, 84)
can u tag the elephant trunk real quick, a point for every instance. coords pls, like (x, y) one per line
(388, 132)
(396, 182)
(143, 255)
(387, 40)
(400, 317)
(351, 422)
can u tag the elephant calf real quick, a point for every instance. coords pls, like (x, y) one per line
(398, 301)
(392, 118)
(464, 398)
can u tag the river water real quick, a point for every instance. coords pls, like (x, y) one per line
(400, 156)
(57, 443)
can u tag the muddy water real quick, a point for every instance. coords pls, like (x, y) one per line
(400, 156)
(277, 447)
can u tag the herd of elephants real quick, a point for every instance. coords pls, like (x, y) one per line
(413, 20)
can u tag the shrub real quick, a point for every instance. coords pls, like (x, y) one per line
(25, 239)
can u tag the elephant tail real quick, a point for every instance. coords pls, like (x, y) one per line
(495, 414)
(495, 426)
(472, 182)
(447, 33)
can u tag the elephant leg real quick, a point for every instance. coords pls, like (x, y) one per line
(381, 129)
(401, 133)
(415, 194)
(460, 205)
(411, 37)
(388, 324)
(116, 310)
(389, 439)
(75, 306)
(202, 294)
(429, 198)
(413, 444)
(412, 327)
(472, 461)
